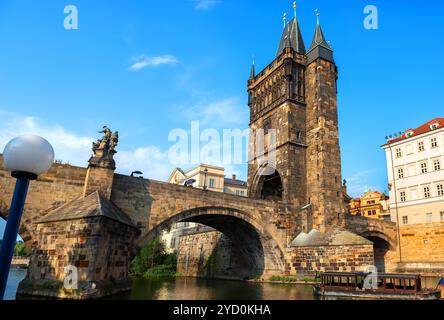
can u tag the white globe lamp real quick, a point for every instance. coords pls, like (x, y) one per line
(26, 157)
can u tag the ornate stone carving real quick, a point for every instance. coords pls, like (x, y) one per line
(104, 150)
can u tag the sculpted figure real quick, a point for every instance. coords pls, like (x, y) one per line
(114, 141)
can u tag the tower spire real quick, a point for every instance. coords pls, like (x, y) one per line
(291, 36)
(319, 48)
(253, 72)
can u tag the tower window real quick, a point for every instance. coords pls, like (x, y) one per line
(267, 125)
(299, 135)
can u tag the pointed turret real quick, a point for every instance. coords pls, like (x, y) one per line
(253, 72)
(319, 46)
(291, 36)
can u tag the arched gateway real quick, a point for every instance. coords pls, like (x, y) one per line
(253, 252)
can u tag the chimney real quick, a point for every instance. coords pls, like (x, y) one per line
(234, 177)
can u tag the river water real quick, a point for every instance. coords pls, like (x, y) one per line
(202, 289)
(193, 289)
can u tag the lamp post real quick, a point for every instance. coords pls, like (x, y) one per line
(205, 179)
(26, 157)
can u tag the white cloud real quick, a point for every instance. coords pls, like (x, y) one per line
(151, 160)
(205, 4)
(142, 62)
(357, 183)
(220, 114)
(68, 146)
(75, 149)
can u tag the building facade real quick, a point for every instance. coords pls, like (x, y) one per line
(372, 204)
(416, 174)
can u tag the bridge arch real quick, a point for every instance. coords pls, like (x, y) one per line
(267, 183)
(382, 244)
(256, 253)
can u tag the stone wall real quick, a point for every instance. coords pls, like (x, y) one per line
(98, 247)
(204, 255)
(309, 260)
(422, 247)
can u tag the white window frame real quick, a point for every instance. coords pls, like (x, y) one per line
(424, 167)
(434, 143)
(405, 220)
(426, 193)
(440, 190)
(437, 164)
(403, 196)
(421, 146)
(398, 152)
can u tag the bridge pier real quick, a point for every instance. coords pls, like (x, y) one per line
(82, 251)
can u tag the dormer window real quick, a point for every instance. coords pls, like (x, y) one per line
(409, 133)
(434, 126)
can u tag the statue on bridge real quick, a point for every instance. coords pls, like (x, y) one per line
(104, 149)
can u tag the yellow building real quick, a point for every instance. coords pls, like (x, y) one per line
(372, 204)
(202, 176)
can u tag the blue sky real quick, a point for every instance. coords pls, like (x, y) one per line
(147, 67)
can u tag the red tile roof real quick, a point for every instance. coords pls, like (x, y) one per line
(418, 131)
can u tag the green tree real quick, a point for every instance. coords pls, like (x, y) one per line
(20, 250)
(151, 255)
(153, 261)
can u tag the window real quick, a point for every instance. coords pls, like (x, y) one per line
(440, 190)
(403, 197)
(400, 173)
(212, 183)
(267, 125)
(429, 217)
(434, 143)
(437, 164)
(426, 192)
(173, 243)
(421, 146)
(398, 153)
(441, 214)
(242, 193)
(238, 193)
(405, 220)
(424, 167)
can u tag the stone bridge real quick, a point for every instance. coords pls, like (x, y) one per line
(261, 230)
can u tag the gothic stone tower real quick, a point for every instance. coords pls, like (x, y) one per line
(296, 96)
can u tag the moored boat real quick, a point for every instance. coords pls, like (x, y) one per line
(373, 286)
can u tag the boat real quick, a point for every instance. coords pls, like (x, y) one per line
(382, 286)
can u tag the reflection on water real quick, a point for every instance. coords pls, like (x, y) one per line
(15, 276)
(205, 289)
